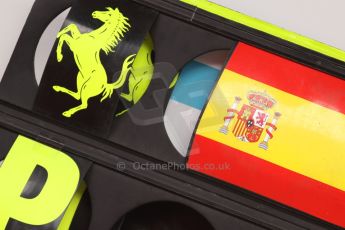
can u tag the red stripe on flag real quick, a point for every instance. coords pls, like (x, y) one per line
(289, 76)
(269, 180)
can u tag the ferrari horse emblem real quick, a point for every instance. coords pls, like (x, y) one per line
(92, 78)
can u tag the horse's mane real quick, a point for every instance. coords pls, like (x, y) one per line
(121, 27)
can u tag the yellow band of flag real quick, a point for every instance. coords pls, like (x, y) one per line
(309, 139)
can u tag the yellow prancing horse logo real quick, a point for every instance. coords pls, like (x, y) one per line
(92, 78)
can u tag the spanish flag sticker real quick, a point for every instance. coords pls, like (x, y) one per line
(279, 127)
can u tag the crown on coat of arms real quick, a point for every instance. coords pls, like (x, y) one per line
(261, 100)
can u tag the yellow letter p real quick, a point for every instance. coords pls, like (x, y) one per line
(61, 184)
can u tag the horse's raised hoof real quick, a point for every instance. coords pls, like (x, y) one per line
(67, 114)
(59, 57)
(57, 88)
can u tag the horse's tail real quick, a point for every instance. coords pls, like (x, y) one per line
(126, 67)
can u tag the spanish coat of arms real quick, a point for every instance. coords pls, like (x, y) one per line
(251, 120)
